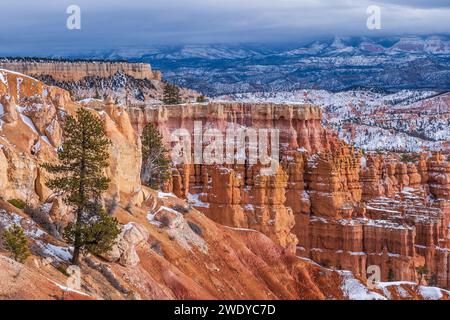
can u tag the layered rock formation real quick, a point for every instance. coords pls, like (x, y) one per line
(238, 195)
(158, 258)
(166, 250)
(72, 71)
(31, 130)
(93, 81)
(326, 200)
(299, 126)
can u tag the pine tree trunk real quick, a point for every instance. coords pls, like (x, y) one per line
(76, 255)
(77, 240)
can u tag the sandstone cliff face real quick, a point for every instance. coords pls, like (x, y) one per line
(237, 195)
(31, 130)
(300, 126)
(327, 201)
(75, 71)
(385, 215)
(125, 155)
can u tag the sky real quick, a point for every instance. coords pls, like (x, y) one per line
(30, 27)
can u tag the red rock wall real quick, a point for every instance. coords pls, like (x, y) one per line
(327, 200)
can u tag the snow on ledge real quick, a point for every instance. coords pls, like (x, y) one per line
(353, 289)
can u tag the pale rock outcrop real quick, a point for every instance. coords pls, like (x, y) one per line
(125, 155)
(75, 71)
(10, 114)
(132, 236)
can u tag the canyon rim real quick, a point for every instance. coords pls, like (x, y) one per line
(233, 174)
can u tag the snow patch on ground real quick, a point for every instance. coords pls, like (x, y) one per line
(353, 289)
(397, 286)
(195, 201)
(430, 293)
(151, 220)
(240, 229)
(46, 140)
(67, 289)
(29, 123)
(17, 74)
(88, 100)
(165, 195)
(8, 219)
(60, 254)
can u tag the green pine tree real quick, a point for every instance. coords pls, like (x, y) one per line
(409, 157)
(16, 243)
(432, 281)
(201, 99)
(391, 275)
(422, 271)
(155, 163)
(97, 95)
(79, 176)
(171, 94)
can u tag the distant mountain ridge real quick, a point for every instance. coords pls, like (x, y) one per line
(336, 64)
(385, 64)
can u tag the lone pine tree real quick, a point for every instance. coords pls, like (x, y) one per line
(155, 163)
(16, 243)
(201, 99)
(171, 94)
(79, 177)
(422, 272)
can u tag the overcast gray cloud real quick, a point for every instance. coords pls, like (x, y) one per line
(419, 3)
(38, 27)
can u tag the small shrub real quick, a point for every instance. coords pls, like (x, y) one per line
(422, 271)
(128, 208)
(408, 158)
(201, 99)
(326, 263)
(391, 276)
(63, 270)
(194, 227)
(432, 281)
(16, 243)
(19, 204)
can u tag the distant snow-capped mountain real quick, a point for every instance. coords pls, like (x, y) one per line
(336, 64)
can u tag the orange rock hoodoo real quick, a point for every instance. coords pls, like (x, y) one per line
(327, 201)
